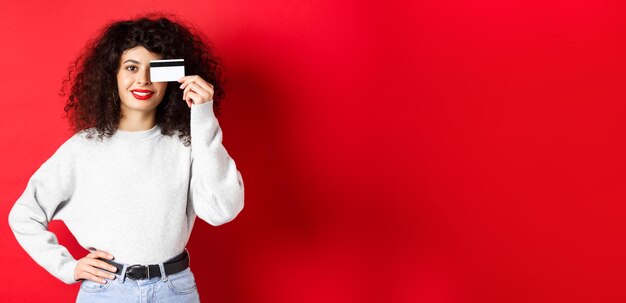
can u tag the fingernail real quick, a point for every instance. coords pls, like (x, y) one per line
(110, 256)
(181, 86)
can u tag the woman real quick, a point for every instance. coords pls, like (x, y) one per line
(145, 160)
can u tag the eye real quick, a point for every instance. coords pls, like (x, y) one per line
(128, 68)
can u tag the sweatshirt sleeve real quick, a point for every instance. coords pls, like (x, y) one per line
(216, 189)
(46, 194)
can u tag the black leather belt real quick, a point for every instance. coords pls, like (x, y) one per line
(141, 272)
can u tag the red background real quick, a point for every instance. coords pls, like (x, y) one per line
(408, 151)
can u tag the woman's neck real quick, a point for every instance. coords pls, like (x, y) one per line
(137, 121)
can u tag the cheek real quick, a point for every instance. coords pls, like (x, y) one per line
(123, 82)
(120, 83)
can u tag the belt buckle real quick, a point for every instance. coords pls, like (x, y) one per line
(138, 272)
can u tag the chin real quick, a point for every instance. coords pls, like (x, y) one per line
(143, 106)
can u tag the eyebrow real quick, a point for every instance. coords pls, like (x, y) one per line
(131, 60)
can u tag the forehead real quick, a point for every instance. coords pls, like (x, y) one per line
(139, 53)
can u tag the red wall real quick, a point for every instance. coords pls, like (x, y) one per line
(416, 151)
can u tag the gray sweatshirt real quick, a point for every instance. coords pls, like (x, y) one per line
(135, 195)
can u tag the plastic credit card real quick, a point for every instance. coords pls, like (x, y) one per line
(167, 70)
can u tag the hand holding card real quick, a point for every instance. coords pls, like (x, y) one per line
(167, 70)
(196, 90)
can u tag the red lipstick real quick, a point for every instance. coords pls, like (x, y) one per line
(142, 94)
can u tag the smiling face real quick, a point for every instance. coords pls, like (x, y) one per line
(136, 91)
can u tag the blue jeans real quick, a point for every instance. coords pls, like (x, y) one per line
(178, 287)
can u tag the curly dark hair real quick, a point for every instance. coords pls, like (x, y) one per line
(93, 102)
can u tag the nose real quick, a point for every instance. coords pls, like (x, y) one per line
(144, 77)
